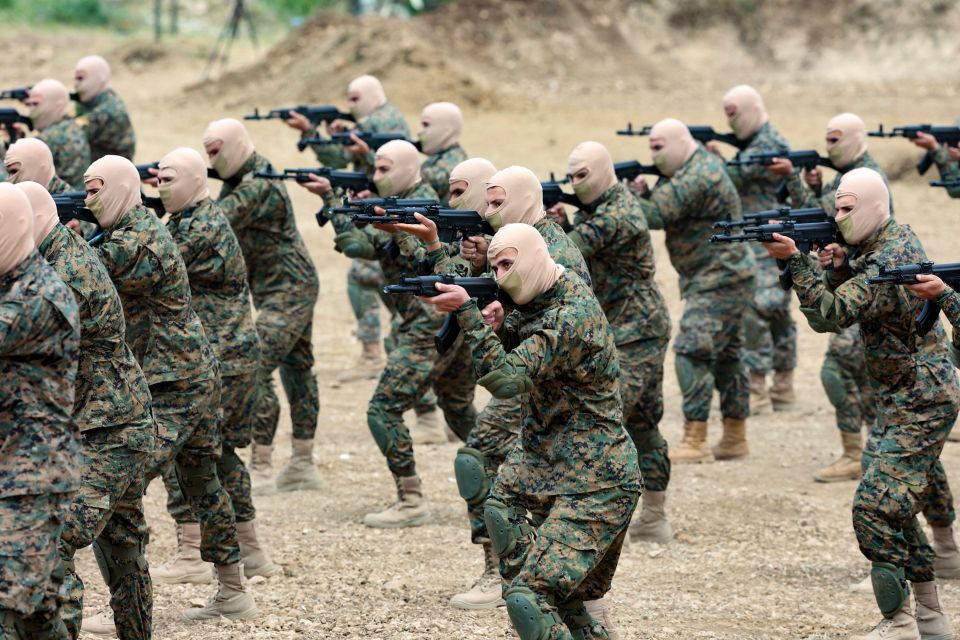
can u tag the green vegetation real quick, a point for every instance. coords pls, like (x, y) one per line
(70, 12)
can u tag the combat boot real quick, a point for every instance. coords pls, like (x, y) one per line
(693, 447)
(100, 624)
(428, 429)
(232, 601)
(781, 392)
(487, 591)
(760, 402)
(410, 509)
(932, 621)
(301, 473)
(946, 564)
(256, 561)
(185, 567)
(902, 626)
(651, 525)
(261, 470)
(733, 443)
(847, 466)
(599, 610)
(368, 367)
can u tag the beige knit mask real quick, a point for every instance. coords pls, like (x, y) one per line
(872, 207)
(91, 77)
(183, 179)
(120, 190)
(16, 228)
(524, 198)
(29, 159)
(366, 96)
(749, 111)
(404, 171)
(55, 100)
(45, 216)
(442, 126)
(475, 173)
(676, 145)
(533, 271)
(852, 143)
(593, 158)
(236, 146)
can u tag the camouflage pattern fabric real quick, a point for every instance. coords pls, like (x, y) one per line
(803, 196)
(58, 186)
(384, 119)
(436, 169)
(364, 282)
(70, 149)
(949, 169)
(848, 384)
(495, 435)
(106, 122)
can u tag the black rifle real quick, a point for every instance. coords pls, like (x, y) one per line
(949, 135)
(949, 184)
(451, 223)
(144, 171)
(630, 169)
(153, 202)
(485, 290)
(373, 139)
(18, 93)
(907, 274)
(71, 205)
(702, 133)
(10, 117)
(553, 194)
(352, 180)
(315, 114)
(805, 159)
(783, 214)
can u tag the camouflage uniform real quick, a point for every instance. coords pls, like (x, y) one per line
(107, 124)
(57, 185)
(221, 297)
(949, 169)
(70, 149)
(574, 467)
(384, 119)
(167, 338)
(716, 284)
(284, 285)
(916, 389)
(364, 281)
(112, 409)
(436, 169)
(39, 349)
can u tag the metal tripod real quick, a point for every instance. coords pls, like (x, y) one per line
(221, 49)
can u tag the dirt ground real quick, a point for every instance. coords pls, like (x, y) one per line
(761, 551)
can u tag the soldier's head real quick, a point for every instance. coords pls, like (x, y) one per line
(45, 216)
(16, 228)
(228, 145)
(521, 262)
(745, 111)
(863, 204)
(182, 179)
(468, 184)
(397, 168)
(112, 184)
(91, 77)
(514, 194)
(365, 95)
(846, 139)
(29, 159)
(442, 124)
(671, 145)
(591, 171)
(48, 101)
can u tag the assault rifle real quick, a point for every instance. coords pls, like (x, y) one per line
(806, 159)
(949, 184)
(10, 117)
(71, 205)
(783, 214)
(553, 194)
(630, 169)
(144, 171)
(315, 114)
(907, 274)
(485, 290)
(700, 133)
(949, 135)
(17, 93)
(351, 180)
(367, 205)
(451, 223)
(373, 139)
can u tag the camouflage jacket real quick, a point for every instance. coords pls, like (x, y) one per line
(70, 149)
(218, 285)
(686, 206)
(436, 169)
(107, 124)
(572, 439)
(803, 196)
(613, 238)
(162, 328)
(384, 119)
(259, 210)
(949, 169)
(39, 345)
(111, 389)
(913, 376)
(58, 185)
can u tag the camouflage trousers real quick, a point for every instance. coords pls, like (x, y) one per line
(364, 281)
(641, 386)
(902, 471)
(31, 574)
(286, 337)
(769, 332)
(708, 353)
(108, 513)
(236, 429)
(846, 382)
(189, 446)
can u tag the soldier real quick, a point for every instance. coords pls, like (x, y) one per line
(284, 285)
(221, 298)
(30, 160)
(917, 397)
(49, 101)
(716, 282)
(39, 343)
(112, 410)
(101, 112)
(440, 140)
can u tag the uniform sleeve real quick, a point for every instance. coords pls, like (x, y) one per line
(438, 177)
(134, 270)
(591, 235)
(241, 205)
(328, 155)
(829, 310)
(742, 174)
(665, 206)
(801, 196)
(949, 170)
(14, 325)
(949, 302)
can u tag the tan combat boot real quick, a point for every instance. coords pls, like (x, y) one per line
(261, 470)
(847, 466)
(428, 429)
(487, 591)
(947, 562)
(100, 624)
(232, 601)
(185, 567)
(733, 443)
(902, 626)
(301, 473)
(932, 621)
(256, 561)
(599, 610)
(410, 509)
(760, 402)
(651, 525)
(781, 392)
(693, 447)
(368, 367)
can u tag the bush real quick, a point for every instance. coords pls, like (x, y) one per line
(70, 12)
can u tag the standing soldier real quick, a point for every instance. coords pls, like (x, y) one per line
(440, 140)
(101, 112)
(49, 102)
(30, 160)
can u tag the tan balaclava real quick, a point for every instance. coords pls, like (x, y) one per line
(52, 109)
(45, 216)
(370, 94)
(34, 158)
(16, 228)
(120, 191)
(96, 80)
(404, 173)
(678, 145)
(443, 124)
(237, 146)
(853, 139)
(533, 271)
(476, 172)
(601, 176)
(750, 115)
(524, 199)
(188, 186)
(873, 204)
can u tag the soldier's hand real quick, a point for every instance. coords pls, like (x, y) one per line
(74, 225)
(713, 148)
(493, 314)
(337, 126)
(782, 247)
(831, 256)
(426, 230)
(639, 186)
(780, 167)
(474, 250)
(21, 130)
(359, 147)
(813, 178)
(452, 298)
(363, 195)
(924, 141)
(298, 121)
(558, 214)
(929, 287)
(153, 181)
(954, 153)
(389, 228)
(317, 185)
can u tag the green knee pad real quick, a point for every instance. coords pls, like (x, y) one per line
(648, 441)
(530, 622)
(229, 461)
(116, 563)
(378, 429)
(198, 481)
(832, 381)
(503, 535)
(472, 480)
(688, 373)
(889, 587)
